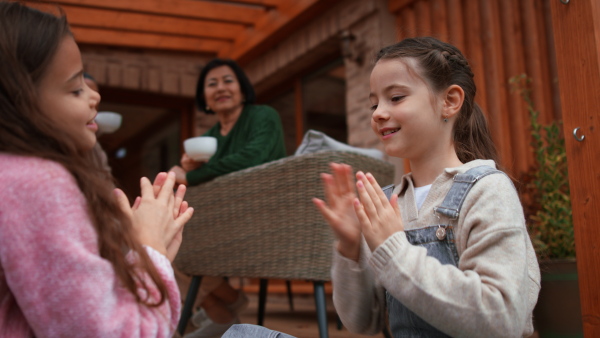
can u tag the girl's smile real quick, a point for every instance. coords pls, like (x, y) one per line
(406, 114)
(386, 133)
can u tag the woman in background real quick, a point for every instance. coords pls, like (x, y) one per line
(247, 135)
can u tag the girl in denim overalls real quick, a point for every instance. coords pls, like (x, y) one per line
(449, 254)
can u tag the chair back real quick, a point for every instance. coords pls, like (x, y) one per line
(261, 222)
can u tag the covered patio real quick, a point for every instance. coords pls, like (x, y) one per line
(310, 59)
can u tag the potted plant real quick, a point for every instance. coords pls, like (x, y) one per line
(550, 223)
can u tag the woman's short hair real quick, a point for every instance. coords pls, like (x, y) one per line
(245, 86)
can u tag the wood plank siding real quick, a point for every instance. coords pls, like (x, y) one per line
(501, 39)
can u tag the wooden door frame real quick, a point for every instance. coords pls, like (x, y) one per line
(576, 27)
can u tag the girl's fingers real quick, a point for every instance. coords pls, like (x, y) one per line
(184, 217)
(379, 192)
(122, 201)
(183, 207)
(146, 188)
(136, 203)
(179, 194)
(348, 179)
(328, 186)
(158, 182)
(338, 179)
(363, 218)
(365, 199)
(343, 178)
(166, 190)
(372, 191)
(327, 213)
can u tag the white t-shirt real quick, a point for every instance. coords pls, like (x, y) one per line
(421, 194)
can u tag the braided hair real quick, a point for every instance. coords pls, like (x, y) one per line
(441, 65)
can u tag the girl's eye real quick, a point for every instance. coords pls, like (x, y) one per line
(78, 92)
(228, 81)
(373, 107)
(397, 98)
(211, 84)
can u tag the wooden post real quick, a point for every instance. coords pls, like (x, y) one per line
(299, 103)
(576, 27)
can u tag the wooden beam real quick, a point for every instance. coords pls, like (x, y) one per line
(575, 27)
(273, 27)
(180, 8)
(396, 5)
(105, 37)
(299, 110)
(265, 3)
(146, 23)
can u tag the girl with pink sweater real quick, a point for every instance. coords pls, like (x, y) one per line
(75, 258)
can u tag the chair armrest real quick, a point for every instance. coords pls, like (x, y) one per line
(261, 222)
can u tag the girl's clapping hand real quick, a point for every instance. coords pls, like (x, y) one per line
(338, 211)
(378, 217)
(158, 216)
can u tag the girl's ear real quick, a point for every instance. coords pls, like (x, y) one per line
(453, 100)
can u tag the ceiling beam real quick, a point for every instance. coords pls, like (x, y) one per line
(273, 27)
(149, 23)
(180, 8)
(265, 3)
(396, 5)
(95, 36)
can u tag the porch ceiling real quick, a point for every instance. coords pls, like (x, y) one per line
(237, 29)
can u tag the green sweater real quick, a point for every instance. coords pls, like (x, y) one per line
(256, 138)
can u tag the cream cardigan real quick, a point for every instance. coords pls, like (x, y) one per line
(493, 291)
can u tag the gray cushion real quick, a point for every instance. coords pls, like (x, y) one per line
(315, 141)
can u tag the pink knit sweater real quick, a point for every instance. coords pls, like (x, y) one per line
(53, 283)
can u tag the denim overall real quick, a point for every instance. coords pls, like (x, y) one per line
(438, 239)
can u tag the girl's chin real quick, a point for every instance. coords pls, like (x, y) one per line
(89, 143)
(393, 151)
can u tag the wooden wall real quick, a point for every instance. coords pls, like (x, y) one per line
(501, 39)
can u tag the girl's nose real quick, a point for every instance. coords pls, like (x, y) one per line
(94, 99)
(380, 114)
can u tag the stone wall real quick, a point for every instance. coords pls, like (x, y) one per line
(148, 71)
(144, 71)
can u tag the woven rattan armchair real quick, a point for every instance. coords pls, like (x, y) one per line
(261, 223)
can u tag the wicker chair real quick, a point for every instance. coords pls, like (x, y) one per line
(261, 223)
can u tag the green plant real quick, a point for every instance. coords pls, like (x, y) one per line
(551, 222)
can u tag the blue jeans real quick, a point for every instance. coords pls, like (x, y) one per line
(250, 331)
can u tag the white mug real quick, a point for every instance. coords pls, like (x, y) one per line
(108, 121)
(200, 148)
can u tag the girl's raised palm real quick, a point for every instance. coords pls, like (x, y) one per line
(379, 218)
(339, 210)
(158, 216)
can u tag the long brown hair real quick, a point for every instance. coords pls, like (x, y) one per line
(442, 65)
(29, 40)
